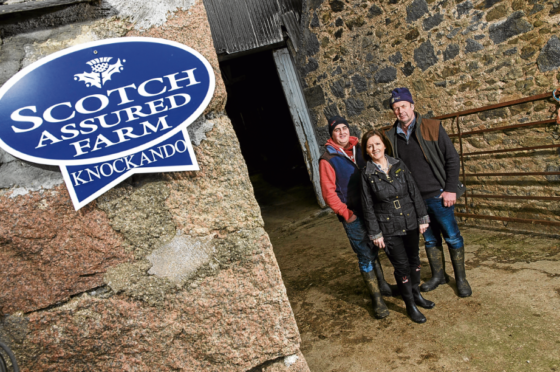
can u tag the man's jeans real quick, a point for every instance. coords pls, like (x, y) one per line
(442, 222)
(362, 246)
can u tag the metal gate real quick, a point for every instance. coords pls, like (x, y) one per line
(464, 155)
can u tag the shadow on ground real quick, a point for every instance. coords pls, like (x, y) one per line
(511, 323)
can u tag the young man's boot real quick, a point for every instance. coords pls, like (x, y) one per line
(458, 261)
(385, 288)
(380, 309)
(406, 292)
(437, 264)
(415, 281)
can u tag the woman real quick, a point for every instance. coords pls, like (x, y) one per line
(395, 214)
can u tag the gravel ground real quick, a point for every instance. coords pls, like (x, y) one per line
(511, 323)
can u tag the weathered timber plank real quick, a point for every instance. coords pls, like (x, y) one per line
(300, 116)
(34, 5)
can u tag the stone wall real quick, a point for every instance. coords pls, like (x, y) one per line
(453, 55)
(164, 272)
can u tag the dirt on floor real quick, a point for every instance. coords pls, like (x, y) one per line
(511, 322)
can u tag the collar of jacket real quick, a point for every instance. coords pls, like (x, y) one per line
(372, 168)
(409, 132)
(417, 122)
(391, 134)
(333, 150)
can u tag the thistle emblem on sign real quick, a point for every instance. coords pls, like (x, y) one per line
(101, 71)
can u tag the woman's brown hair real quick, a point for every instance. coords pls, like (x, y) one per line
(368, 135)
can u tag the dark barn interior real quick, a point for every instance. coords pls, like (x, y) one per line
(261, 118)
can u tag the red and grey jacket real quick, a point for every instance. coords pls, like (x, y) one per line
(340, 178)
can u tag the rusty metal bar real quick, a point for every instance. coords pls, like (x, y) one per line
(498, 105)
(511, 150)
(506, 127)
(516, 197)
(508, 219)
(514, 174)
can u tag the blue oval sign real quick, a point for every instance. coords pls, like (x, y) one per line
(104, 100)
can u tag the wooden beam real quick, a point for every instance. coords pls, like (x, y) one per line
(34, 5)
(300, 116)
(226, 57)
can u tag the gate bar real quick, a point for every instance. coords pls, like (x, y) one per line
(515, 197)
(498, 105)
(514, 126)
(508, 219)
(508, 150)
(513, 174)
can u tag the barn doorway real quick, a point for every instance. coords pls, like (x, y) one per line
(262, 121)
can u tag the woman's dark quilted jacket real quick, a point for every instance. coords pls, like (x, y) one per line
(392, 203)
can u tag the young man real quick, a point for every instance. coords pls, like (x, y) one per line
(427, 151)
(340, 170)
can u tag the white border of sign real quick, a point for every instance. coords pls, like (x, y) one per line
(61, 53)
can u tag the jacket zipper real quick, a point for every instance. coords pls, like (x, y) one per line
(347, 157)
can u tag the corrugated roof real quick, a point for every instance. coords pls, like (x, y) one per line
(291, 22)
(240, 25)
(16, 6)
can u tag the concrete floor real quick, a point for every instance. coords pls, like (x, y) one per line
(511, 323)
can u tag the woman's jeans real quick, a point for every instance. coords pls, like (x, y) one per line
(403, 252)
(362, 246)
(442, 222)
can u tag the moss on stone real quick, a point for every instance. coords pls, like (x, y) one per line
(132, 280)
(412, 35)
(470, 85)
(450, 71)
(498, 12)
(518, 4)
(137, 210)
(540, 106)
(528, 36)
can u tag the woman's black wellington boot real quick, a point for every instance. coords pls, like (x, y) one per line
(418, 299)
(437, 264)
(380, 309)
(458, 261)
(385, 288)
(408, 298)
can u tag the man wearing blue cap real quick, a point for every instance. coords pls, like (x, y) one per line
(424, 146)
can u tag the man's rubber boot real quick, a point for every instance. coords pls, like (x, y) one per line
(437, 264)
(415, 281)
(458, 261)
(408, 298)
(385, 288)
(380, 310)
